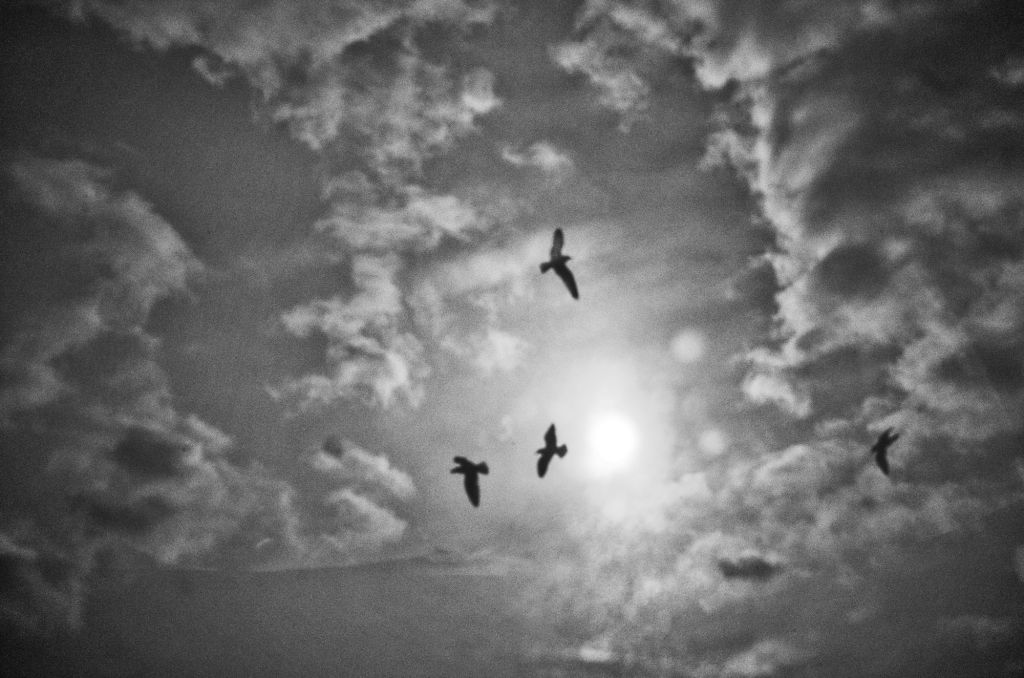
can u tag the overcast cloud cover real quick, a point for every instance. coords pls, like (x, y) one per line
(269, 266)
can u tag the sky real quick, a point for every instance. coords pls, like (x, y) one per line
(268, 266)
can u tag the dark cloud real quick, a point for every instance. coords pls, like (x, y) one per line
(364, 85)
(100, 259)
(343, 460)
(134, 519)
(332, 446)
(139, 479)
(148, 454)
(41, 588)
(291, 53)
(853, 271)
(748, 567)
(899, 287)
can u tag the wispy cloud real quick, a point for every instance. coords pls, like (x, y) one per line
(347, 462)
(368, 357)
(353, 82)
(541, 155)
(765, 658)
(131, 474)
(116, 258)
(289, 51)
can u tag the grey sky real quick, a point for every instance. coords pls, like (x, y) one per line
(269, 266)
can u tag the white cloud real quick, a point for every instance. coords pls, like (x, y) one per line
(415, 111)
(348, 462)
(541, 155)
(418, 223)
(766, 387)
(712, 442)
(362, 527)
(367, 357)
(500, 351)
(116, 258)
(764, 658)
(687, 346)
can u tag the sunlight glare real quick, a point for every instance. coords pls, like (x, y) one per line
(613, 442)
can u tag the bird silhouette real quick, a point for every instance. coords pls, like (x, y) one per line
(881, 446)
(472, 473)
(557, 262)
(550, 449)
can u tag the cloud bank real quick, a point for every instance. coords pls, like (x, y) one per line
(892, 186)
(126, 475)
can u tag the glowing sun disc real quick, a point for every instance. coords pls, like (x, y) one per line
(613, 441)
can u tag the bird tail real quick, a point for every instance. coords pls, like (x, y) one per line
(482, 467)
(562, 449)
(545, 266)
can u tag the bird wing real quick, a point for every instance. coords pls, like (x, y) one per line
(472, 484)
(882, 462)
(566, 275)
(556, 243)
(542, 464)
(550, 438)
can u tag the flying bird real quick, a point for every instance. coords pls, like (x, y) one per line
(557, 262)
(472, 473)
(881, 446)
(550, 449)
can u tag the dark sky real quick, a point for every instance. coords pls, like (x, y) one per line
(267, 267)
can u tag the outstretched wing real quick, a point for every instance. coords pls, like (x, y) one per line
(472, 484)
(550, 439)
(542, 464)
(882, 462)
(566, 275)
(556, 244)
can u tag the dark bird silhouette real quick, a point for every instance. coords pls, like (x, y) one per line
(472, 473)
(550, 449)
(557, 262)
(881, 447)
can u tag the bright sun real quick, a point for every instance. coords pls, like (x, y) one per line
(612, 442)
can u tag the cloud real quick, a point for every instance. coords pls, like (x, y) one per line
(41, 588)
(860, 209)
(687, 346)
(360, 83)
(361, 526)
(618, 45)
(116, 258)
(765, 658)
(133, 477)
(367, 356)
(748, 567)
(414, 219)
(500, 351)
(147, 454)
(292, 53)
(347, 462)
(863, 268)
(541, 155)
(981, 630)
(891, 188)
